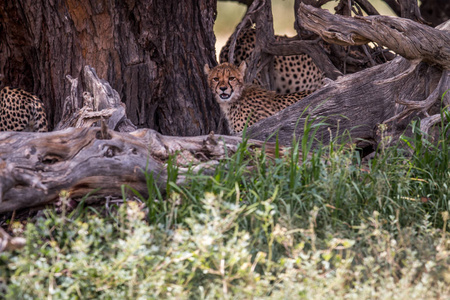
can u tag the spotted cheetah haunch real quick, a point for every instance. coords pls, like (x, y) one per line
(241, 102)
(21, 111)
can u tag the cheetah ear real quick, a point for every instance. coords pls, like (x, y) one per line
(242, 67)
(206, 69)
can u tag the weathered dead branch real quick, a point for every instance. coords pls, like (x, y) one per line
(100, 102)
(35, 168)
(405, 37)
(393, 91)
(355, 103)
(83, 160)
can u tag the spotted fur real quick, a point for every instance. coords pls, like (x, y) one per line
(242, 102)
(293, 73)
(21, 111)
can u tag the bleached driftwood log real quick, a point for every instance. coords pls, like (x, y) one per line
(35, 168)
(100, 102)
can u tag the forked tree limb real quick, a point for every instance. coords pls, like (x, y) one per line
(354, 104)
(405, 37)
(412, 40)
(359, 102)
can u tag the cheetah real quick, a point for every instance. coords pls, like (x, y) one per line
(21, 111)
(242, 103)
(293, 73)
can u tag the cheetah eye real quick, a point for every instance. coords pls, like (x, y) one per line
(232, 78)
(216, 79)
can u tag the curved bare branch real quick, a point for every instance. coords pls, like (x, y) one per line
(405, 37)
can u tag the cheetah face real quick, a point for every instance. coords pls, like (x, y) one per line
(226, 81)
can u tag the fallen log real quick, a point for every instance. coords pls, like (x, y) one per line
(35, 168)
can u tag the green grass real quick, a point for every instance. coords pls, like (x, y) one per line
(316, 225)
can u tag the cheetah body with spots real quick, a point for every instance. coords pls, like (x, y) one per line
(242, 103)
(21, 111)
(293, 73)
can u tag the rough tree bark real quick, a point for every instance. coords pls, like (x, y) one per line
(151, 52)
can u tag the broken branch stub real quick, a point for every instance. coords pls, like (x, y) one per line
(100, 102)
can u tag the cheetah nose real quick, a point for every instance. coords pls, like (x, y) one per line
(223, 88)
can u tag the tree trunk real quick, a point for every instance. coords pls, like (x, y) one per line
(151, 52)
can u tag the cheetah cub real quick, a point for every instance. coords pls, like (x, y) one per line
(240, 101)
